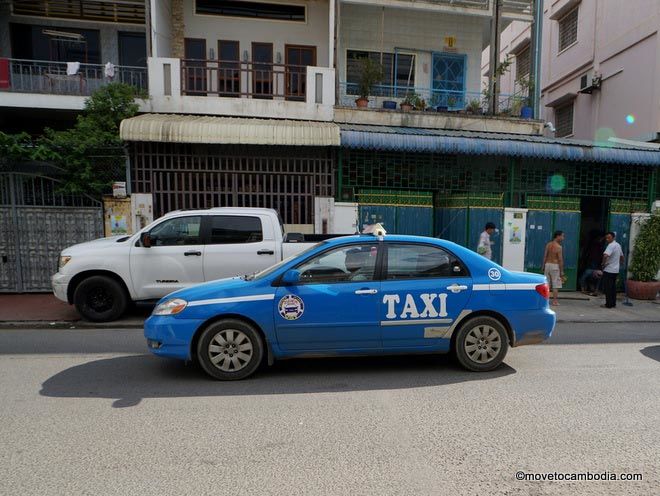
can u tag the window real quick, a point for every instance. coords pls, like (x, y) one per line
(229, 68)
(62, 44)
(175, 232)
(523, 63)
(254, 10)
(564, 120)
(421, 261)
(351, 263)
(233, 229)
(568, 26)
(398, 70)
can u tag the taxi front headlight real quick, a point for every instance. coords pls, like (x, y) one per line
(170, 307)
(63, 261)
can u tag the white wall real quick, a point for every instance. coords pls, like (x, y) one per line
(161, 28)
(314, 31)
(360, 29)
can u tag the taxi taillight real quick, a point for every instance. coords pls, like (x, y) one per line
(543, 290)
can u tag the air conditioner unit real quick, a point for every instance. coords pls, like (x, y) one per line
(589, 82)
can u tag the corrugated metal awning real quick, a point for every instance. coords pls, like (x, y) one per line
(165, 128)
(478, 143)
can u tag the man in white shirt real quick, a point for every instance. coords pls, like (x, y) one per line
(612, 260)
(484, 246)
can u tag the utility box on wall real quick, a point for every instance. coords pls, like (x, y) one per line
(127, 215)
(513, 240)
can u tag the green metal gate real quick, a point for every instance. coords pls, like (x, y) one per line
(545, 215)
(462, 218)
(400, 212)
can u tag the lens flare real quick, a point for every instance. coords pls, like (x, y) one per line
(630, 119)
(556, 183)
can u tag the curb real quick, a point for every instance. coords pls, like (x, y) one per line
(38, 324)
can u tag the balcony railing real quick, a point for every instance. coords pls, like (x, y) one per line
(43, 76)
(231, 78)
(438, 100)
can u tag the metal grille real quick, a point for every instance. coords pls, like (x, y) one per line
(421, 171)
(564, 120)
(486, 177)
(187, 176)
(36, 223)
(562, 178)
(124, 11)
(568, 26)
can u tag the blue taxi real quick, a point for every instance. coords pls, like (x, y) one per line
(356, 295)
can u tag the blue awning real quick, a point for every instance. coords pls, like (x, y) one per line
(477, 143)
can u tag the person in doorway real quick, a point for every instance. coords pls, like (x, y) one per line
(612, 260)
(590, 281)
(553, 264)
(484, 246)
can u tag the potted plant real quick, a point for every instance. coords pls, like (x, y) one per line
(474, 107)
(645, 261)
(526, 84)
(408, 103)
(371, 72)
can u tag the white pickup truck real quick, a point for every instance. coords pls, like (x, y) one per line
(180, 249)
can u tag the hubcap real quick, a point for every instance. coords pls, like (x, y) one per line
(99, 299)
(482, 344)
(230, 350)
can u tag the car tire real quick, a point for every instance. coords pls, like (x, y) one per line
(481, 344)
(100, 299)
(230, 350)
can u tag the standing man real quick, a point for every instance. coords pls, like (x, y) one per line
(484, 246)
(612, 260)
(553, 264)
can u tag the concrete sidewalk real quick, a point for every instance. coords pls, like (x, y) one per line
(43, 310)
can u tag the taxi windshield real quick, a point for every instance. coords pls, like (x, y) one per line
(268, 271)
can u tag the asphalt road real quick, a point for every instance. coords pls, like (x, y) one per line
(90, 412)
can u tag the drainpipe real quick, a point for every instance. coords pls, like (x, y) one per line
(493, 83)
(536, 52)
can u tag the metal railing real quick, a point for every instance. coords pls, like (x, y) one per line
(433, 99)
(232, 78)
(50, 77)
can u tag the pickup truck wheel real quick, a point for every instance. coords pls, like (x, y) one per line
(481, 344)
(230, 350)
(100, 299)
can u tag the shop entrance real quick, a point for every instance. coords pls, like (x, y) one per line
(593, 226)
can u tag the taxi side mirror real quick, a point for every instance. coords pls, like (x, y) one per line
(145, 239)
(291, 277)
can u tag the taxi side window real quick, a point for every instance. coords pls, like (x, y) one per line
(352, 263)
(408, 261)
(234, 229)
(177, 231)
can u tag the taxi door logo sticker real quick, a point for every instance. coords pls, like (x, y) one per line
(291, 307)
(494, 274)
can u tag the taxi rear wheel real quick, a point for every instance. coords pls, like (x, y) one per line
(481, 344)
(230, 350)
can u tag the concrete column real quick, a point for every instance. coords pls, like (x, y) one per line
(178, 29)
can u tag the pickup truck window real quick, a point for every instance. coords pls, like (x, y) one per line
(235, 229)
(349, 263)
(177, 231)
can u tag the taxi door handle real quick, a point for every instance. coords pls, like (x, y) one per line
(366, 291)
(457, 288)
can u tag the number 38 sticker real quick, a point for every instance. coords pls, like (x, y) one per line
(291, 307)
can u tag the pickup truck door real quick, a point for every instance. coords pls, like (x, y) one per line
(239, 244)
(174, 260)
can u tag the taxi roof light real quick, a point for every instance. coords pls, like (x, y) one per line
(376, 229)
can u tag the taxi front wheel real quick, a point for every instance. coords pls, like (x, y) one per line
(230, 350)
(481, 344)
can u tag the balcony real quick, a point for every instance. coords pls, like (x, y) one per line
(435, 109)
(241, 89)
(235, 79)
(59, 78)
